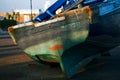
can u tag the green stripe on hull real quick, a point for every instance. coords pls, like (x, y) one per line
(44, 48)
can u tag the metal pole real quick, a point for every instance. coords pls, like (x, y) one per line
(31, 8)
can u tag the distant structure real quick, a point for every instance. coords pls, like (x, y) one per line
(21, 15)
(2, 14)
(25, 14)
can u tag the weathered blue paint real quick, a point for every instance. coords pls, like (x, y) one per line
(106, 6)
(51, 9)
(109, 6)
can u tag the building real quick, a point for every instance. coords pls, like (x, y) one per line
(24, 15)
(3, 14)
(21, 15)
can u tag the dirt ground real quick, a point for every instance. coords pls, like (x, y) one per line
(15, 65)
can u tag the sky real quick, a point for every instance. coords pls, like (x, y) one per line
(10, 5)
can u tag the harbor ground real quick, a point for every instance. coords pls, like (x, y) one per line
(16, 65)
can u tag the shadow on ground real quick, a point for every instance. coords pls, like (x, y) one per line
(15, 65)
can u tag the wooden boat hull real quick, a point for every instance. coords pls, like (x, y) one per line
(104, 35)
(48, 40)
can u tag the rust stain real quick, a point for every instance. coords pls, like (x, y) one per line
(11, 33)
(88, 10)
(56, 47)
(78, 11)
(10, 29)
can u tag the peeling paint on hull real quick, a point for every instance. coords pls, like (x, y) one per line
(38, 39)
(47, 41)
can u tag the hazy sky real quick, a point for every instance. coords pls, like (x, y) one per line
(9, 5)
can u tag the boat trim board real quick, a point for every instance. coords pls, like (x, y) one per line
(39, 24)
(22, 25)
(50, 21)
